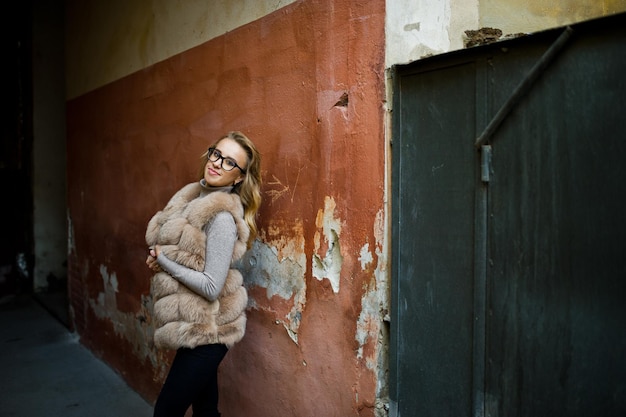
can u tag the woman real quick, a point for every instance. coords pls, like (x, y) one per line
(199, 301)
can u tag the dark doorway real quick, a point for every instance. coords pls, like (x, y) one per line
(16, 246)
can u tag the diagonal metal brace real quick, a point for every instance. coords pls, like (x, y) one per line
(524, 86)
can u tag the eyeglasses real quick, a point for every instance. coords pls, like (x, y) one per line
(228, 164)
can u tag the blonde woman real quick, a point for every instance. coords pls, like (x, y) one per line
(199, 299)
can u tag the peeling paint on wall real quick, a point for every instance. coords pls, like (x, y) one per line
(329, 266)
(365, 256)
(126, 325)
(279, 267)
(300, 328)
(374, 313)
(374, 303)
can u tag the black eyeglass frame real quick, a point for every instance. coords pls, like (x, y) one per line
(212, 150)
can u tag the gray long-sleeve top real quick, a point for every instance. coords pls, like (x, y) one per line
(221, 234)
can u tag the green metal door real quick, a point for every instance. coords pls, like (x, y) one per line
(509, 264)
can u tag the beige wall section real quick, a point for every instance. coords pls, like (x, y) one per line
(107, 40)
(513, 16)
(526, 16)
(419, 28)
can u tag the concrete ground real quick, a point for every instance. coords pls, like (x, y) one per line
(45, 371)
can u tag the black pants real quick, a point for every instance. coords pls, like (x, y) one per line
(192, 381)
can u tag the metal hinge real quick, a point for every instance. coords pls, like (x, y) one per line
(485, 163)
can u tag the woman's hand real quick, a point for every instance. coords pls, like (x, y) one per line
(151, 261)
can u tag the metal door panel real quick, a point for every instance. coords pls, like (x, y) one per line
(556, 240)
(539, 329)
(435, 215)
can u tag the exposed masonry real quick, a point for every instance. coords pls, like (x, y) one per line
(485, 36)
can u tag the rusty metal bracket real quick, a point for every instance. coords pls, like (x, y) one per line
(524, 86)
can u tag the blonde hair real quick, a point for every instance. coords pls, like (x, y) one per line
(249, 190)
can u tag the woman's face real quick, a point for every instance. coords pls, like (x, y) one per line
(214, 173)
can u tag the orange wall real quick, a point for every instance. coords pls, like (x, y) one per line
(311, 347)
